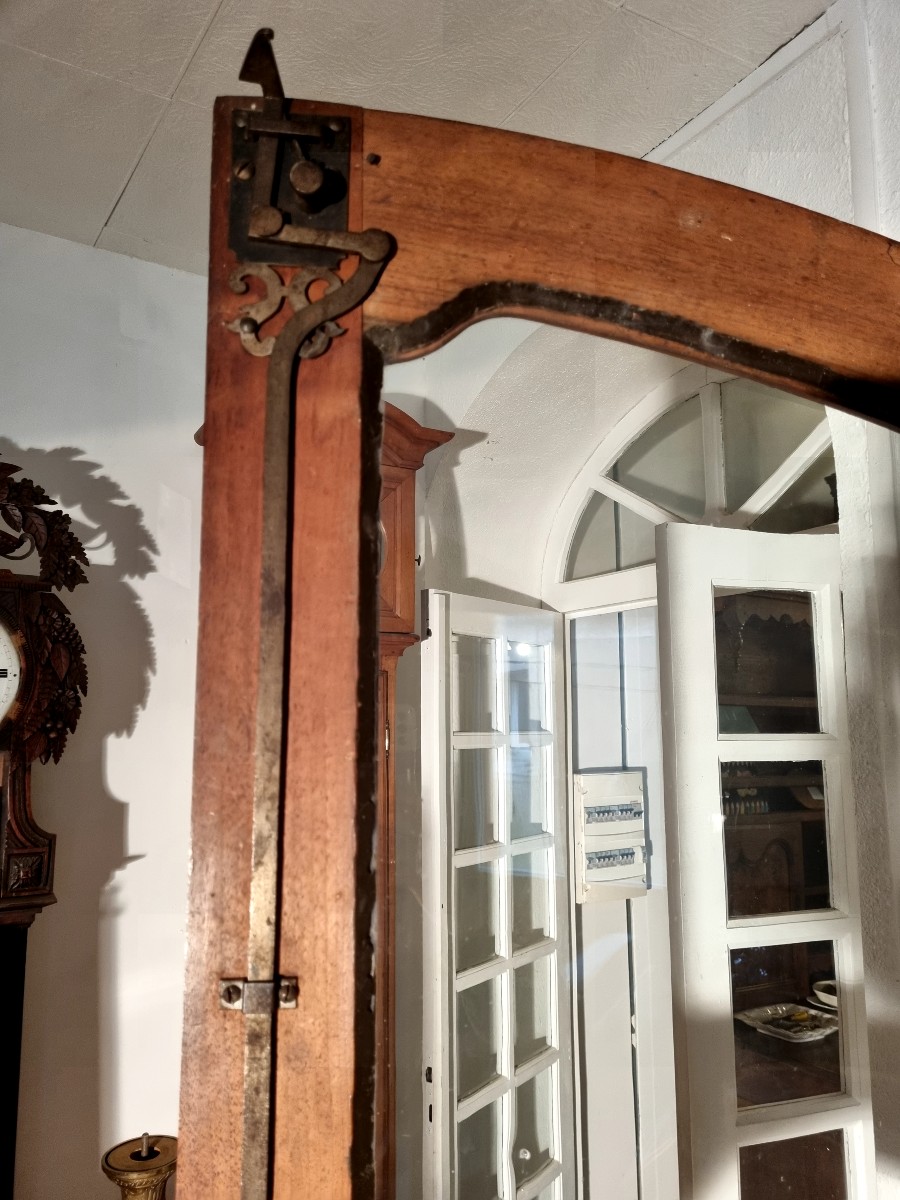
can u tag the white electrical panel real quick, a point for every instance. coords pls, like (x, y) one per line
(610, 845)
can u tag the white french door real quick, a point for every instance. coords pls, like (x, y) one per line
(772, 1056)
(498, 1025)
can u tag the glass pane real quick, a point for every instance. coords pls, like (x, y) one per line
(533, 1144)
(665, 463)
(476, 1037)
(776, 847)
(476, 914)
(807, 504)
(761, 428)
(766, 662)
(526, 676)
(533, 1008)
(528, 785)
(786, 1028)
(530, 899)
(474, 798)
(635, 539)
(802, 1168)
(597, 719)
(475, 701)
(477, 1155)
(593, 547)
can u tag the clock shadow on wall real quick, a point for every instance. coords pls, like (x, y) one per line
(67, 1072)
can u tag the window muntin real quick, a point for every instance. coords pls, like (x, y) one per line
(737, 454)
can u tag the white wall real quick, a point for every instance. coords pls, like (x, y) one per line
(101, 392)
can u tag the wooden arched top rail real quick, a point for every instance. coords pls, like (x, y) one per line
(490, 223)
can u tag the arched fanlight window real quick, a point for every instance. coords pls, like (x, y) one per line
(735, 454)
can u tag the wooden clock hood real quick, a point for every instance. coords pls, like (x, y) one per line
(277, 1090)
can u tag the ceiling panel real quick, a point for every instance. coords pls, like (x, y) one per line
(146, 45)
(748, 31)
(70, 141)
(629, 86)
(465, 59)
(163, 214)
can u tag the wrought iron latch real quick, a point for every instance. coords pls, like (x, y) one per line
(290, 176)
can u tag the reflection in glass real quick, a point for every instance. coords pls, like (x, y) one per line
(474, 798)
(533, 1144)
(476, 915)
(776, 850)
(477, 1155)
(528, 781)
(786, 1036)
(765, 662)
(534, 1031)
(814, 1166)
(475, 707)
(527, 687)
(807, 504)
(476, 1037)
(530, 899)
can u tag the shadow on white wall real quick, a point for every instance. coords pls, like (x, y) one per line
(67, 1077)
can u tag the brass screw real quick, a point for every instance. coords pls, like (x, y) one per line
(231, 994)
(244, 170)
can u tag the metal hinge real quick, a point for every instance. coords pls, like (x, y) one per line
(259, 995)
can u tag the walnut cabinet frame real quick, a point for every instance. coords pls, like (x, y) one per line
(486, 223)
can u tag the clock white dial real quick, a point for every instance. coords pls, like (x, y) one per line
(10, 672)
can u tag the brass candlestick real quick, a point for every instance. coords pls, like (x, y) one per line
(142, 1166)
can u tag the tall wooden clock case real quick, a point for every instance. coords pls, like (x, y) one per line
(404, 446)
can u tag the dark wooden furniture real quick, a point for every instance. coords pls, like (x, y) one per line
(485, 222)
(404, 446)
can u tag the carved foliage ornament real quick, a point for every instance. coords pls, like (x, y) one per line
(56, 675)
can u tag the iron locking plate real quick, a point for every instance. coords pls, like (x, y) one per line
(271, 156)
(258, 996)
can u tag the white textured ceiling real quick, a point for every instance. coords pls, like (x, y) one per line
(105, 114)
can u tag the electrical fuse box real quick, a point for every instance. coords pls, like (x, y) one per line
(610, 843)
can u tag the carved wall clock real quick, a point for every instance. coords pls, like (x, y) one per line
(42, 680)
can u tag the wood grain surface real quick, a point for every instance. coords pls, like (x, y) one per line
(489, 222)
(211, 1119)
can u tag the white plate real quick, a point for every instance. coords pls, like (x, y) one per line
(825, 996)
(760, 1019)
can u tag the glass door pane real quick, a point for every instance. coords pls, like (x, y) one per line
(478, 1155)
(787, 1042)
(776, 842)
(766, 661)
(477, 1037)
(803, 1168)
(477, 914)
(533, 1147)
